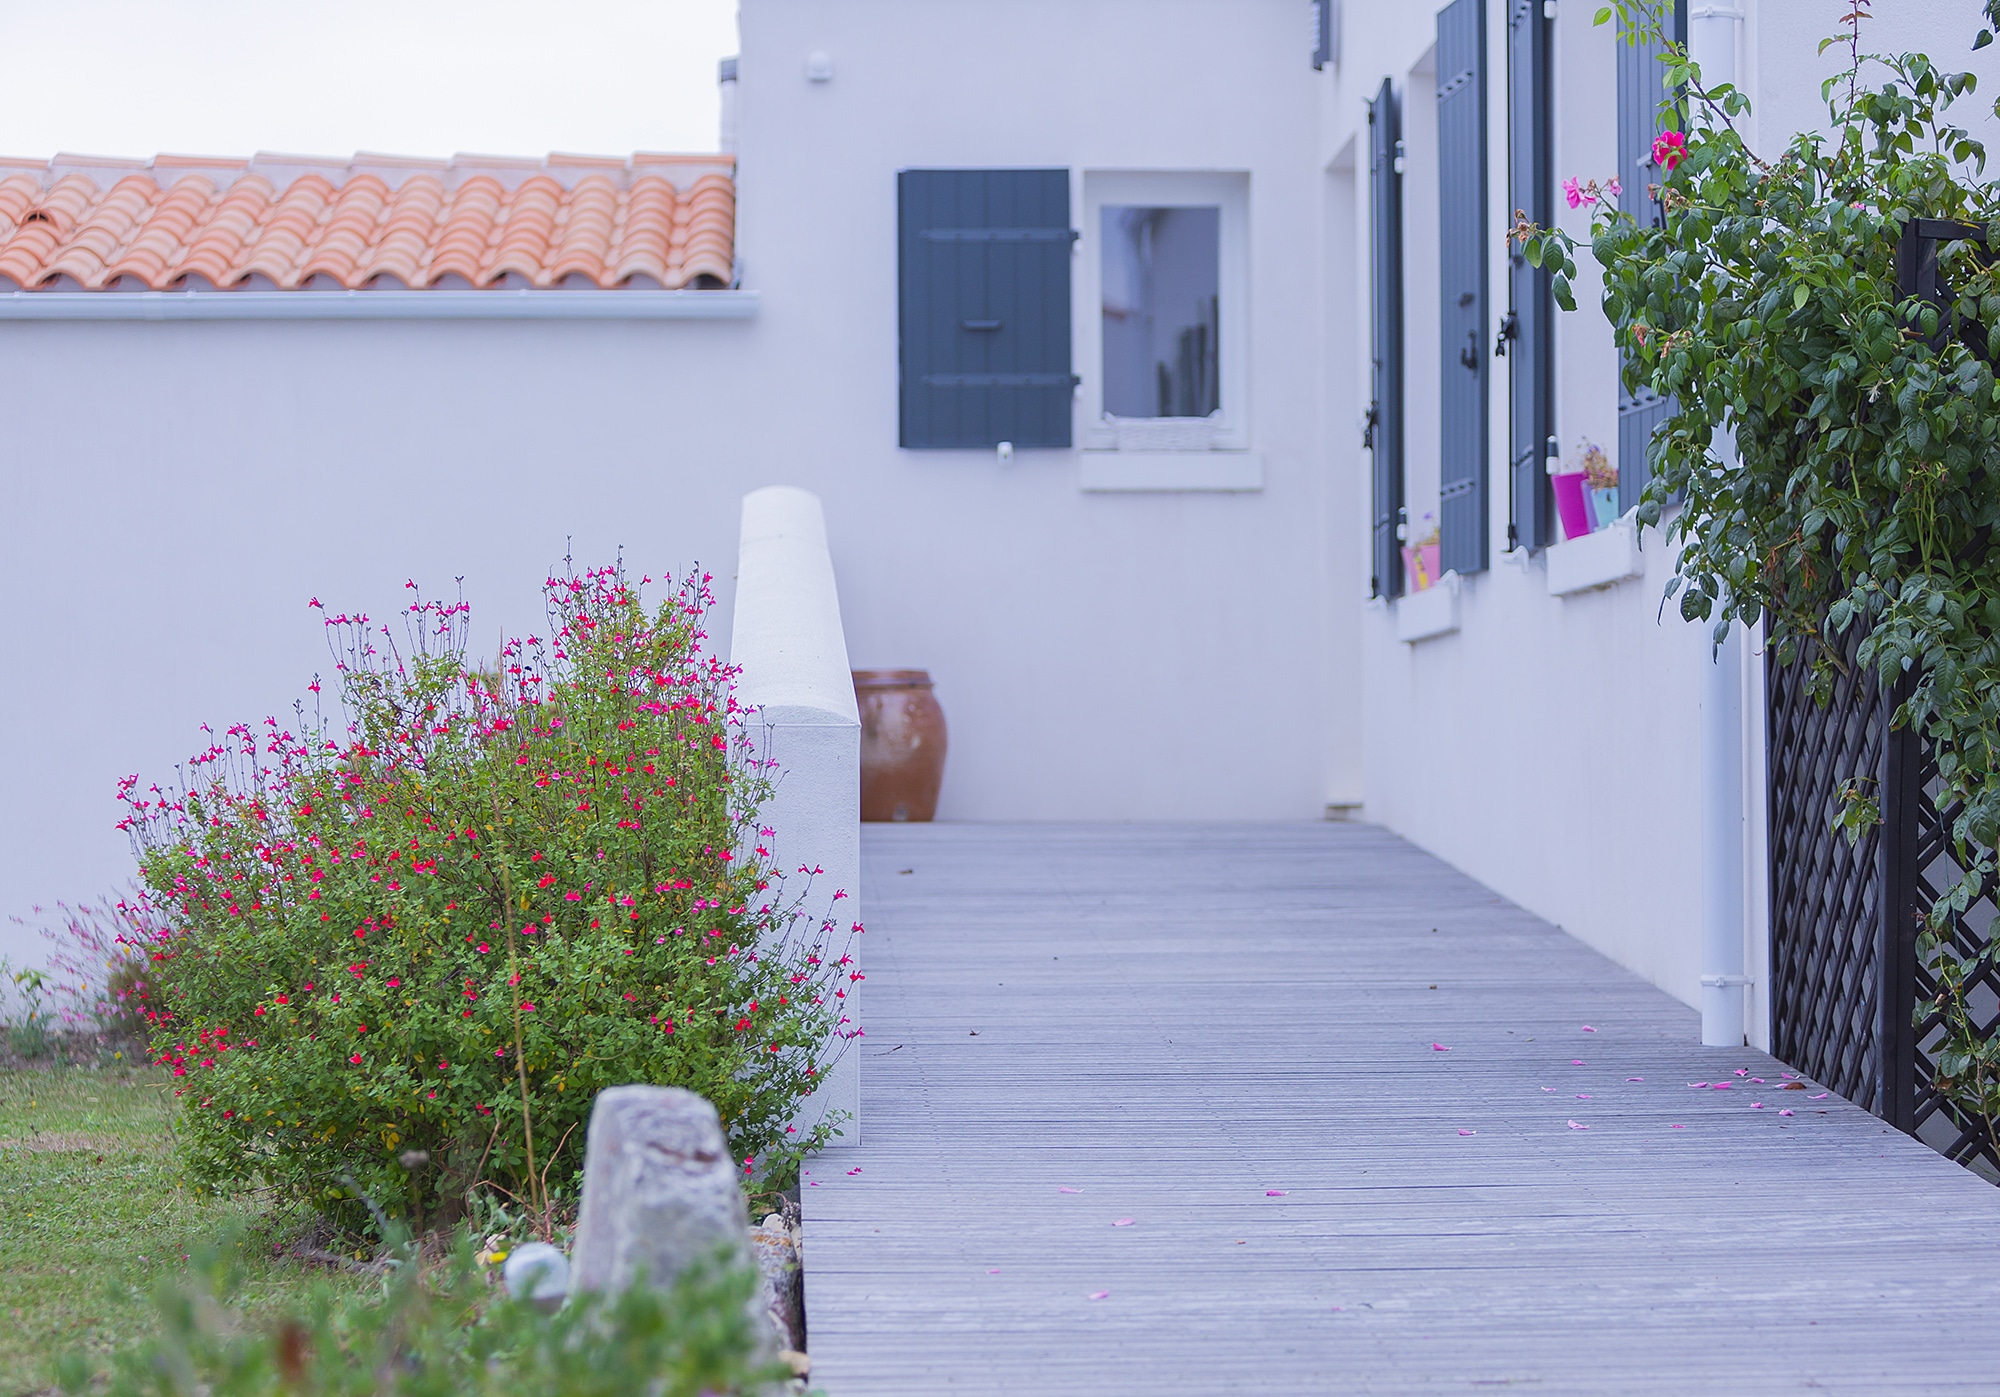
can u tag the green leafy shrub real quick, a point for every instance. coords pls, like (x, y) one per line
(401, 956)
(442, 1331)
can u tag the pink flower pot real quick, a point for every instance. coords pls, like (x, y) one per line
(1572, 506)
(1420, 566)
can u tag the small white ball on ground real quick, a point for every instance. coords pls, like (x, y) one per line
(537, 1271)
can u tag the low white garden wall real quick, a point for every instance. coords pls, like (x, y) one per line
(788, 642)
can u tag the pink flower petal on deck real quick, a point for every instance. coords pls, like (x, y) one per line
(855, 1170)
(1098, 1295)
(1274, 1193)
(1821, 1097)
(1787, 1112)
(1550, 1090)
(1124, 1222)
(1677, 1127)
(1463, 1131)
(1758, 1080)
(1439, 1048)
(1583, 1096)
(1719, 1086)
(992, 1270)
(1697, 1084)
(1635, 1079)
(1588, 1029)
(1573, 1125)
(1576, 1062)
(1065, 1188)
(1742, 1071)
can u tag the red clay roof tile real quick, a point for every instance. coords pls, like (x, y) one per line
(373, 220)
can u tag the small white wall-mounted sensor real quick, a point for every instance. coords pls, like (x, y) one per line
(1006, 450)
(819, 66)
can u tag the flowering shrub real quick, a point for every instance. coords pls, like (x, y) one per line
(99, 968)
(400, 956)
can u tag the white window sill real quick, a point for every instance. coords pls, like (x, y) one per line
(1602, 559)
(1429, 613)
(1111, 471)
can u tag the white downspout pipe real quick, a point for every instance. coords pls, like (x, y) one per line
(1712, 37)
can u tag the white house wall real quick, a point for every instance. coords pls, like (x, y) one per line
(1549, 746)
(176, 492)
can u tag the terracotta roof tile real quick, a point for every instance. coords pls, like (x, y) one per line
(375, 220)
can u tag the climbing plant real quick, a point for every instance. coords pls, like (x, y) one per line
(1864, 484)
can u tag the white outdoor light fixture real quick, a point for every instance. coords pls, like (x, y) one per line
(819, 66)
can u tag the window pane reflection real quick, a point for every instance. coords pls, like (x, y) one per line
(1161, 272)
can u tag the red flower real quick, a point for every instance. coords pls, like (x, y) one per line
(356, 1059)
(394, 983)
(1669, 149)
(282, 999)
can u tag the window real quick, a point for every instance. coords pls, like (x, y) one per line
(1163, 263)
(1161, 307)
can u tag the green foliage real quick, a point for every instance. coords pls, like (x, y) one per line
(28, 1024)
(441, 1330)
(1867, 424)
(400, 958)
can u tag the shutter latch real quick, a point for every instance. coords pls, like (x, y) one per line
(1510, 329)
(980, 324)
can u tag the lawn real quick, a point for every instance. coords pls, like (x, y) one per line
(95, 1213)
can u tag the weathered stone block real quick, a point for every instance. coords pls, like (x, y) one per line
(659, 1190)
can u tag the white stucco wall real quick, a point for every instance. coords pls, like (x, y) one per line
(174, 493)
(1550, 746)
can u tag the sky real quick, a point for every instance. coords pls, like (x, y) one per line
(404, 77)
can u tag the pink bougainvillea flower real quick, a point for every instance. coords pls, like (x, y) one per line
(857, 1169)
(1583, 1096)
(1576, 1062)
(1756, 1105)
(1588, 1029)
(1669, 149)
(1635, 1079)
(484, 948)
(1821, 1097)
(1613, 187)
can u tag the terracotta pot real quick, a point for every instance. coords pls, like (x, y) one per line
(902, 744)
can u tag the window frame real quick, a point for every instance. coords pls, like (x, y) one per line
(1227, 191)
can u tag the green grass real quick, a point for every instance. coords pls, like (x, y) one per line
(93, 1212)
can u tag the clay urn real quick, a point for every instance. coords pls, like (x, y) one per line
(902, 744)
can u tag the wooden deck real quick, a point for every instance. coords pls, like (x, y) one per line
(1226, 1036)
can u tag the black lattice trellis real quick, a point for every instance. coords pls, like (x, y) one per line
(1845, 978)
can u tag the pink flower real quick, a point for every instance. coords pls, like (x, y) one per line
(1572, 193)
(356, 1059)
(1669, 149)
(1613, 187)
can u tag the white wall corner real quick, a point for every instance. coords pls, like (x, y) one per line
(787, 640)
(1601, 559)
(1431, 612)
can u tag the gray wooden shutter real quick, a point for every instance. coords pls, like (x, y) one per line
(1462, 494)
(1640, 92)
(1530, 336)
(1385, 341)
(984, 307)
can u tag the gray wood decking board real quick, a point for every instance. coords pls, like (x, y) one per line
(1177, 1019)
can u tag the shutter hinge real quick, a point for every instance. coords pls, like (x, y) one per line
(1510, 329)
(1369, 419)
